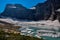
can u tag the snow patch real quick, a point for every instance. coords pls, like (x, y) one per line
(33, 8)
(12, 6)
(58, 10)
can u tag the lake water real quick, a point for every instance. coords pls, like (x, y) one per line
(45, 37)
(50, 38)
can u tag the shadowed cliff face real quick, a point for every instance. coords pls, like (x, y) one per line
(55, 4)
(43, 11)
(17, 11)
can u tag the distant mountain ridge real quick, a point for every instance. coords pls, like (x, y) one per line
(42, 11)
(17, 11)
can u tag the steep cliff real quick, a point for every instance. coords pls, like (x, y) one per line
(17, 11)
(47, 10)
(42, 11)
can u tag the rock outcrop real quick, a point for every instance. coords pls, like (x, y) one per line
(17, 11)
(42, 11)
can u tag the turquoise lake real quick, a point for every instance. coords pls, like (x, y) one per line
(45, 37)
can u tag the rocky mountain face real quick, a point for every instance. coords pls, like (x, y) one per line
(17, 11)
(43, 11)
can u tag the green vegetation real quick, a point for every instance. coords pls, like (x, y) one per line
(10, 32)
(12, 36)
(7, 33)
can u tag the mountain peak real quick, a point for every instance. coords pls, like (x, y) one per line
(14, 6)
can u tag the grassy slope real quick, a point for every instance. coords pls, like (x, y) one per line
(12, 36)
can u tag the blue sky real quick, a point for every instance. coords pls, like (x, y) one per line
(26, 3)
